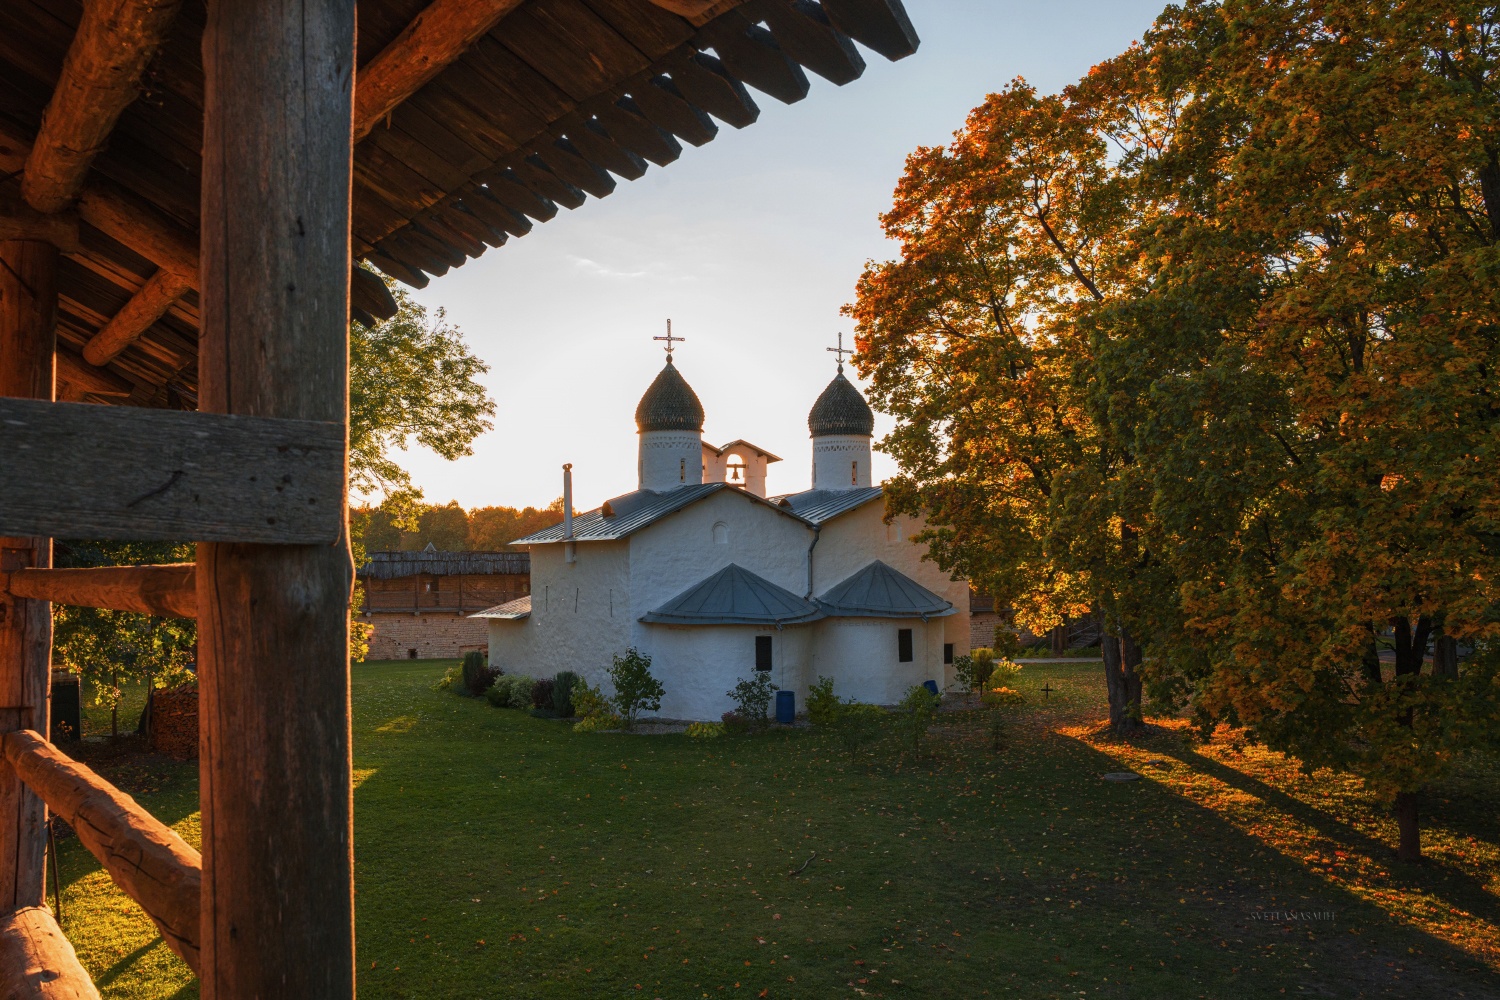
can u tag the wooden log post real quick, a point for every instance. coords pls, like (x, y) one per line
(168, 590)
(36, 961)
(28, 338)
(278, 875)
(154, 866)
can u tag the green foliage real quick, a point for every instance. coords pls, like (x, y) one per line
(822, 703)
(520, 691)
(857, 725)
(734, 723)
(452, 680)
(752, 699)
(410, 378)
(108, 648)
(636, 690)
(562, 693)
(498, 694)
(705, 730)
(594, 710)
(915, 714)
(541, 694)
(477, 676)
(1007, 643)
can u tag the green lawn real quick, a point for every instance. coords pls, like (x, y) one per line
(503, 855)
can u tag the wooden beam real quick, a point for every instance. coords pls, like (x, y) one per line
(124, 217)
(19, 221)
(115, 41)
(136, 317)
(154, 866)
(37, 961)
(273, 624)
(428, 45)
(687, 8)
(134, 473)
(881, 24)
(369, 293)
(167, 590)
(28, 339)
(81, 378)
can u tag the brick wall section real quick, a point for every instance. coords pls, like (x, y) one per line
(174, 722)
(434, 636)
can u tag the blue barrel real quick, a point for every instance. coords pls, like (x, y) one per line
(786, 707)
(931, 686)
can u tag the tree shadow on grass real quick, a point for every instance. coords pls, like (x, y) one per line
(1278, 900)
(121, 967)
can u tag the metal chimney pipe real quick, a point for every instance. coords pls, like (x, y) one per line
(570, 547)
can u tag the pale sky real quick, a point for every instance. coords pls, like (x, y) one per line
(751, 244)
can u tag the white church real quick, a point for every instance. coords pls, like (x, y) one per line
(701, 571)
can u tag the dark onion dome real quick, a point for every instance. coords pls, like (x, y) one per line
(670, 404)
(841, 410)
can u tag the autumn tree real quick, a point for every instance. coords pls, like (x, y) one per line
(1309, 377)
(971, 339)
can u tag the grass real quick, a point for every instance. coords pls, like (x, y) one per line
(502, 855)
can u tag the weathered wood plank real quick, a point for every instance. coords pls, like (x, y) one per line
(367, 291)
(751, 53)
(438, 36)
(804, 32)
(37, 962)
(124, 472)
(154, 866)
(28, 340)
(167, 590)
(686, 8)
(129, 324)
(704, 81)
(273, 623)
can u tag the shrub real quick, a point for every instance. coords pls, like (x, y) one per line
(595, 709)
(733, 722)
(752, 700)
(916, 712)
(520, 691)
(562, 693)
(541, 693)
(1007, 643)
(451, 676)
(705, 730)
(635, 689)
(1002, 678)
(856, 724)
(822, 703)
(476, 674)
(499, 693)
(969, 673)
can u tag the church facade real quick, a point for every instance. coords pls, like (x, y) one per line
(715, 581)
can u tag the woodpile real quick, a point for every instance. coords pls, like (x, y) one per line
(174, 721)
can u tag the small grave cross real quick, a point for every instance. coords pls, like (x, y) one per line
(840, 350)
(1047, 691)
(670, 340)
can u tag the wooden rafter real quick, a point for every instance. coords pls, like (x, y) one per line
(431, 43)
(101, 75)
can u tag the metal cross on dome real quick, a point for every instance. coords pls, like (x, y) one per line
(840, 350)
(670, 340)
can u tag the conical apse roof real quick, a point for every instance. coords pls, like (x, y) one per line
(670, 404)
(841, 410)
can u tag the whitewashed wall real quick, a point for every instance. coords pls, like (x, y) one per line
(862, 657)
(851, 542)
(699, 664)
(580, 614)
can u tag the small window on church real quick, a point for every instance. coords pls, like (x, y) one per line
(721, 533)
(682, 471)
(947, 652)
(854, 473)
(903, 645)
(762, 652)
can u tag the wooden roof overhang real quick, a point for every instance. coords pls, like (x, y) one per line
(474, 121)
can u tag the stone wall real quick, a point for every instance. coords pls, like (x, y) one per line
(427, 636)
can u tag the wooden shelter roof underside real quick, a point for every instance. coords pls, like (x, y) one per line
(554, 103)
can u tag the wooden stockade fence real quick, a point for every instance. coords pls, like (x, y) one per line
(195, 253)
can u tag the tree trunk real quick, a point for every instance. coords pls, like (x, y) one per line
(1445, 656)
(1372, 660)
(1060, 640)
(1122, 660)
(1410, 848)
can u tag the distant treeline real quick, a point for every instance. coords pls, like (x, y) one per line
(450, 528)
